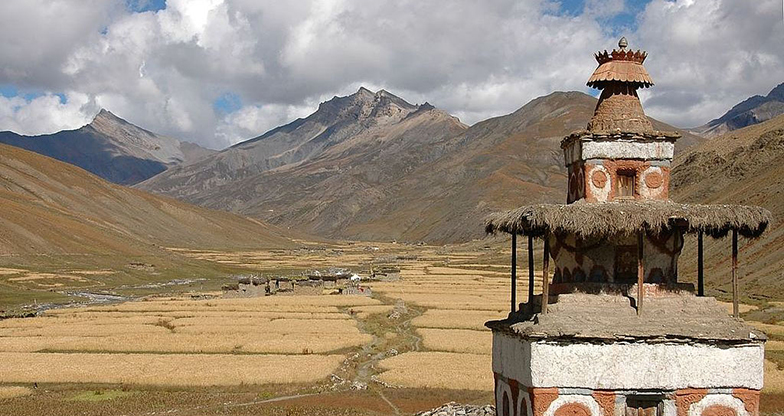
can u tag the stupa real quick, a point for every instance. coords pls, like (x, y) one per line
(614, 331)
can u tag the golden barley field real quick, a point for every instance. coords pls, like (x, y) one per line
(181, 342)
(444, 370)
(165, 369)
(431, 310)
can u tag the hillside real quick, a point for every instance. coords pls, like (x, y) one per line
(345, 130)
(49, 207)
(111, 148)
(372, 166)
(751, 111)
(743, 167)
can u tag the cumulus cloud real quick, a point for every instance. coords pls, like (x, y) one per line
(250, 120)
(708, 55)
(47, 113)
(164, 70)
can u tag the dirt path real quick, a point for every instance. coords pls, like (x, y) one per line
(397, 322)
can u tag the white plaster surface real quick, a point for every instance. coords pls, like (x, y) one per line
(626, 366)
(584, 400)
(601, 194)
(669, 408)
(627, 150)
(651, 193)
(727, 400)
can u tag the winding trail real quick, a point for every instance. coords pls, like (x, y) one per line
(379, 347)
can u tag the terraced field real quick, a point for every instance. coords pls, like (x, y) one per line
(417, 342)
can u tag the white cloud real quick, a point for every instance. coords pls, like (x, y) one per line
(164, 70)
(250, 121)
(46, 113)
(708, 55)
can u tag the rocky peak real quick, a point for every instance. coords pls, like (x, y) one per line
(777, 93)
(365, 106)
(134, 140)
(107, 122)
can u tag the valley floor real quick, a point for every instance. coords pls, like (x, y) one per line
(182, 348)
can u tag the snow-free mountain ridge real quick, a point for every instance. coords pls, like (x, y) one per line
(111, 148)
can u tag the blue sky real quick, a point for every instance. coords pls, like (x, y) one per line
(617, 23)
(220, 71)
(140, 6)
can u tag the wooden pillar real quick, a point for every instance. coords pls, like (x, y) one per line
(514, 272)
(545, 274)
(735, 306)
(640, 271)
(530, 270)
(700, 270)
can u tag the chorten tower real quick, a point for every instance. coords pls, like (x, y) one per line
(615, 331)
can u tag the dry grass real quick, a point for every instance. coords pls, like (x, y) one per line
(263, 325)
(770, 329)
(457, 319)
(181, 325)
(109, 317)
(55, 329)
(457, 340)
(272, 303)
(742, 308)
(774, 378)
(453, 271)
(439, 370)
(774, 345)
(165, 370)
(363, 312)
(44, 276)
(200, 342)
(9, 392)
(463, 302)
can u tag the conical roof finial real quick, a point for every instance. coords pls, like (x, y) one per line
(619, 75)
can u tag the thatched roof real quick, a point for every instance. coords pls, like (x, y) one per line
(613, 218)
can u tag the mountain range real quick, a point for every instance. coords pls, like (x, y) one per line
(111, 148)
(751, 111)
(373, 166)
(48, 207)
(366, 166)
(740, 167)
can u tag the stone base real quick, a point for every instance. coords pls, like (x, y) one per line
(515, 399)
(541, 377)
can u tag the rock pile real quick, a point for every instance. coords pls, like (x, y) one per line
(454, 409)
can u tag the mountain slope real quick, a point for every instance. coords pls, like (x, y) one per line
(743, 167)
(50, 207)
(751, 111)
(390, 171)
(504, 162)
(111, 148)
(342, 124)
